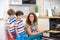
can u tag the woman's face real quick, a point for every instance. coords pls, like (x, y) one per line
(31, 17)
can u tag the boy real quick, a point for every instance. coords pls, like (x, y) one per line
(10, 24)
(19, 27)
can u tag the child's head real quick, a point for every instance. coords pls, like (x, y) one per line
(19, 14)
(11, 12)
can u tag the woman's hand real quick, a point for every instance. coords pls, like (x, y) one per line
(38, 30)
(46, 31)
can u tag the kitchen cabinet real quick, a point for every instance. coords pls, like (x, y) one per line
(17, 5)
(43, 24)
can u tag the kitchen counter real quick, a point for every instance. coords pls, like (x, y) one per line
(49, 17)
(45, 17)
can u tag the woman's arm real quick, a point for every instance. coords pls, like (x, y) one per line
(38, 30)
(30, 32)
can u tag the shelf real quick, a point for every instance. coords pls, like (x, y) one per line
(45, 16)
(48, 17)
(21, 5)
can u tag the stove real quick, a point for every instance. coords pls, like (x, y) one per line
(55, 25)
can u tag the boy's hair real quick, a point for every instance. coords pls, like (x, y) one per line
(11, 12)
(18, 13)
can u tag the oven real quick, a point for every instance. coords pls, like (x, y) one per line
(55, 25)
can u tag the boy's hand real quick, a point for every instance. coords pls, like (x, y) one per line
(18, 35)
(11, 36)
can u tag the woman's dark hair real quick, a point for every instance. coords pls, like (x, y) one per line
(18, 13)
(28, 20)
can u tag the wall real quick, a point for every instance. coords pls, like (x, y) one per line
(2, 31)
(3, 9)
(38, 2)
(49, 4)
(40, 6)
(56, 3)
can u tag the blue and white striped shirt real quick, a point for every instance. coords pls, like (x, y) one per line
(10, 24)
(20, 27)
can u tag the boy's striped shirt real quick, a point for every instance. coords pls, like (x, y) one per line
(20, 27)
(10, 24)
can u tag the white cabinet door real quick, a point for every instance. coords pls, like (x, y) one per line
(43, 24)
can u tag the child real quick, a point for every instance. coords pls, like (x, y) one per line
(19, 26)
(10, 24)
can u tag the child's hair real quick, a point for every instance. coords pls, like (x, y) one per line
(11, 12)
(18, 13)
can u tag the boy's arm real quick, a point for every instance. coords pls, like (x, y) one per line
(16, 29)
(10, 33)
(7, 28)
(17, 32)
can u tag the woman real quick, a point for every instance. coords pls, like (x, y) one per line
(32, 27)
